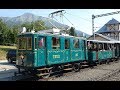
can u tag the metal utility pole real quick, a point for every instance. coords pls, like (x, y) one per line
(101, 15)
(93, 17)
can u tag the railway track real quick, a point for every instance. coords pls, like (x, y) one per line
(104, 71)
(98, 73)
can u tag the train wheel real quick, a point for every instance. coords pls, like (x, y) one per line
(48, 74)
(76, 67)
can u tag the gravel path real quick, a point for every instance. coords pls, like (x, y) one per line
(88, 74)
(115, 77)
(6, 69)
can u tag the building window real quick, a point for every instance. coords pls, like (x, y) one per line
(113, 27)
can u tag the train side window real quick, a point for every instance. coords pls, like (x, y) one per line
(55, 43)
(108, 45)
(41, 42)
(95, 46)
(89, 45)
(67, 44)
(105, 46)
(29, 43)
(76, 43)
(100, 46)
(35, 43)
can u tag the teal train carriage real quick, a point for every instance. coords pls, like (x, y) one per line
(44, 54)
(100, 51)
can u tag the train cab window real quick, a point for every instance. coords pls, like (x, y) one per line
(22, 43)
(29, 43)
(41, 42)
(67, 44)
(76, 43)
(55, 43)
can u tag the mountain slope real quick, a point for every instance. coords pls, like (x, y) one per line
(80, 33)
(29, 17)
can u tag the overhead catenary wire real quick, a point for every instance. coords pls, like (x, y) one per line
(80, 18)
(68, 20)
(52, 23)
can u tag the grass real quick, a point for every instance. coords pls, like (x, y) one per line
(4, 50)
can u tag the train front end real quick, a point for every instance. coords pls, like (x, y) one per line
(25, 54)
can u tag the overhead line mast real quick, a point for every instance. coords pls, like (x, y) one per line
(101, 15)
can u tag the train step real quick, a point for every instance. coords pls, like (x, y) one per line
(85, 65)
(44, 68)
(84, 62)
(68, 69)
(67, 64)
(42, 74)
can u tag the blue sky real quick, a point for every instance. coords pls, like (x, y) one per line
(80, 18)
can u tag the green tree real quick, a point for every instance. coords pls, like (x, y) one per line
(37, 25)
(72, 31)
(3, 32)
(15, 31)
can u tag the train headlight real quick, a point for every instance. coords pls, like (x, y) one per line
(22, 57)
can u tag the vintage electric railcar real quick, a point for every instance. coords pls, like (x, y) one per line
(42, 54)
(47, 53)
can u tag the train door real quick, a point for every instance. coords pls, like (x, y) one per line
(67, 50)
(41, 55)
(75, 50)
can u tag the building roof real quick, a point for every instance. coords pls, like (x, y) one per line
(109, 39)
(104, 28)
(113, 21)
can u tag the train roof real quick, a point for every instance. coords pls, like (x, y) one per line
(49, 34)
(98, 41)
